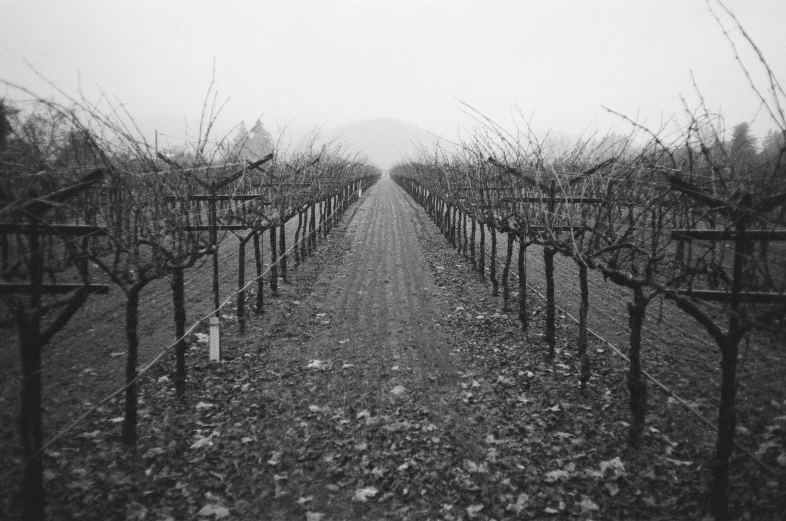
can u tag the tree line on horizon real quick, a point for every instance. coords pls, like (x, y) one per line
(44, 137)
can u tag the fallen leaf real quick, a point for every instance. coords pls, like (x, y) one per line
(280, 491)
(314, 516)
(474, 468)
(202, 442)
(519, 505)
(398, 390)
(204, 405)
(152, 453)
(135, 512)
(217, 511)
(554, 475)
(492, 455)
(275, 459)
(615, 464)
(363, 494)
(587, 505)
(474, 510)
(320, 365)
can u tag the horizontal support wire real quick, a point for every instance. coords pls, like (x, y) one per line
(51, 289)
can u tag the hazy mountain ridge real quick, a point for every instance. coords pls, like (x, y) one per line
(383, 141)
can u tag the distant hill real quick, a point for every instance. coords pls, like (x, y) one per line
(383, 141)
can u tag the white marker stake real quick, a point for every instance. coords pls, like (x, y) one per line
(215, 346)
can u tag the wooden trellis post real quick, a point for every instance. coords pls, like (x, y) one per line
(28, 320)
(740, 216)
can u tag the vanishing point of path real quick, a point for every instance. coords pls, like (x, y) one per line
(382, 302)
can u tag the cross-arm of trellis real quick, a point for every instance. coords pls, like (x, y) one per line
(526, 178)
(589, 173)
(731, 210)
(70, 304)
(691, 190)
(239, 173)
(769, 203)
(215, 186)
(38, 206)
(530, 181)
(34, 209)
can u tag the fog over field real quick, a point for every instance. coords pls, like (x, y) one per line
(307, 64)
(383, 141)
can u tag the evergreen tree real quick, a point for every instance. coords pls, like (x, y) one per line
(774, 142)
(261, 142)
(76, 150)
(773, 155)
(743, 151)
(5, 125)
(254, 144)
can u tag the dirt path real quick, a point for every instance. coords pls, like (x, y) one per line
(380, 360)
(383, 305)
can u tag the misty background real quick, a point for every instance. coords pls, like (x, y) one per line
(387, 76)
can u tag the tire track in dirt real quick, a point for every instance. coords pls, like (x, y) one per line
(385, 306)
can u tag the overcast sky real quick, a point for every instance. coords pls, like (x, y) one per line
(309, 63)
